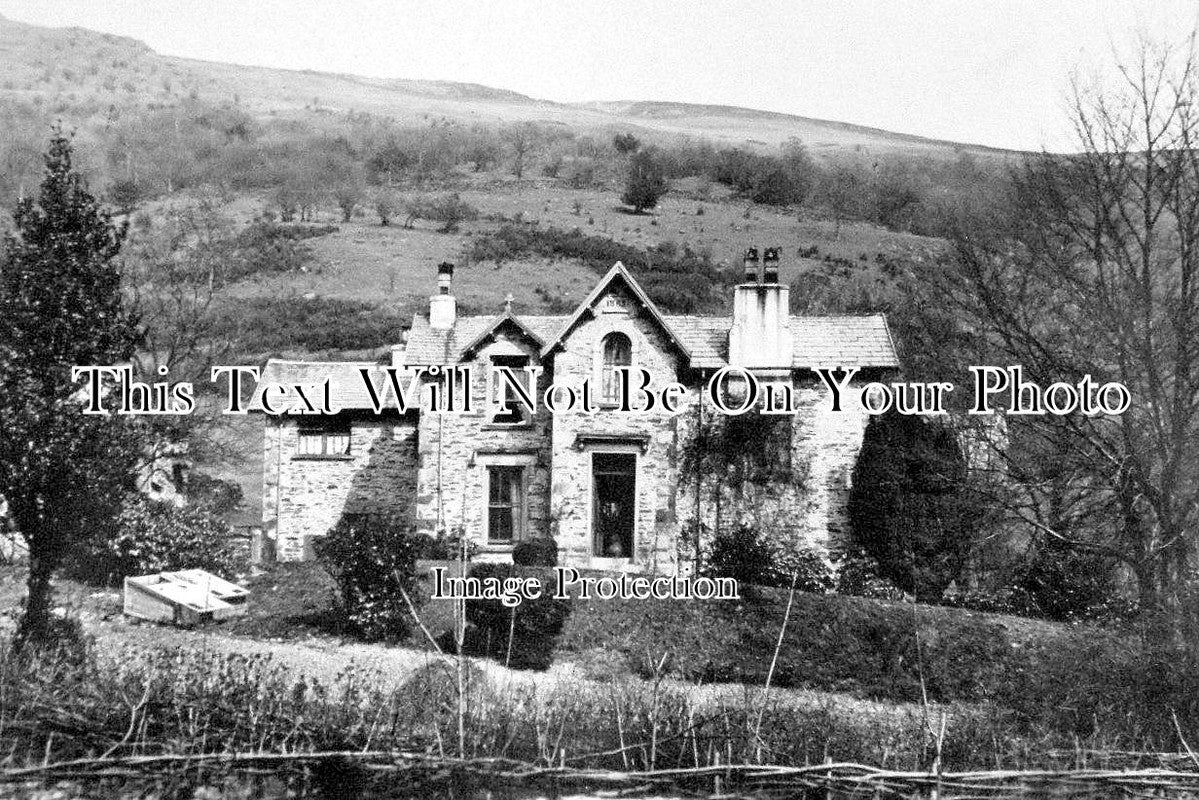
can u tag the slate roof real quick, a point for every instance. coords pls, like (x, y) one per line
(841, 341)
(427, 346)
(347, 391)
(862, 341)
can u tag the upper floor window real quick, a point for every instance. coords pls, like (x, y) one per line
(324, 436)
(511, 410)
(617, 352)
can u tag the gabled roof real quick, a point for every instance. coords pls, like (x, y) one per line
(841, 341)
(507, 317)
(618, 272)
(429, 346)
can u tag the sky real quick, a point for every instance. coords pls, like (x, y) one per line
(984, 72)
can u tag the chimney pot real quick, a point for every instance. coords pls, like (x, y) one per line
(443, 309)
(770, 265)
(751, 266)
(445, 274)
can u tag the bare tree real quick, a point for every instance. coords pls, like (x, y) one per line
(348, 196)
(523, 140)
(173, 274)
(842, 190)
(1097, 272)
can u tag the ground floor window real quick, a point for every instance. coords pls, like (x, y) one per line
(613, 503)
(505, 503)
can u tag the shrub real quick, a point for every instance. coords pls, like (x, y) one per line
(680, 280)
(220, 497)
(152, 536)
(762, 178)
(385, 207)
(626, 143)
(645, 183)
(808, 567)
(267, 247)
(443, 547)
(742, 554)
(266, 324)
(448, 209)
(125, 194)
(1062, 584)
(372, 558)
(540, 551)
(288, 203)
(859, 576)
(348, 197)
(523, 636)
(752, 558)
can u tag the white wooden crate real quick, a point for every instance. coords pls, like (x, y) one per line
(186, 597)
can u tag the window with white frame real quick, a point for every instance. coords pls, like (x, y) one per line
(617, 352)
(506, 521)
(324, 437)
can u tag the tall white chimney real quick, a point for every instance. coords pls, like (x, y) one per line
(761, 334)
(443, 309)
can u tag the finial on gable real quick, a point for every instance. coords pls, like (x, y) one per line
(508, 303)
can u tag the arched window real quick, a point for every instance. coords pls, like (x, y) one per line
(618, 352)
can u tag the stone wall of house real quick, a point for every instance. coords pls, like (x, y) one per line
(456, 449)
(303, 496)
(808, 508)
(656, 529)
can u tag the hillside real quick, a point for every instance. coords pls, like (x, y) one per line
(76, 74)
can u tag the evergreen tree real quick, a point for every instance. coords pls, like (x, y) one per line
(645, 184)
(64, 473)
(908, 505)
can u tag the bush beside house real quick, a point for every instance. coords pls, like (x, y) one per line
(152, 536)
(372, 559)
(522, 636)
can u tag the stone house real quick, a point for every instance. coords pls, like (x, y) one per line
(614, 490)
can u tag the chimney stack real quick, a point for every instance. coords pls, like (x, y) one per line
(760, 338)
(443, 309)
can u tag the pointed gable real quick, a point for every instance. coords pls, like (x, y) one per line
(506, 319)
(617, 276)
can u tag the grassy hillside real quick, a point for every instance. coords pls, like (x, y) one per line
(86, 78)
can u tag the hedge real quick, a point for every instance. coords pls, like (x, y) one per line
(1078, 679)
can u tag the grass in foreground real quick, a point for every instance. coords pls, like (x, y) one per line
(64, 705)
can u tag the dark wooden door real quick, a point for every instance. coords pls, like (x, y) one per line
(613, 503)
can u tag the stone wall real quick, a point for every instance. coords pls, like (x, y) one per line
(456, 449)
(303, 496)
(655, 529)
(434, 469)
(807, 510)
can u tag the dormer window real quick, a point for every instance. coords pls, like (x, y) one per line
(323, 437)
(617, 352)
